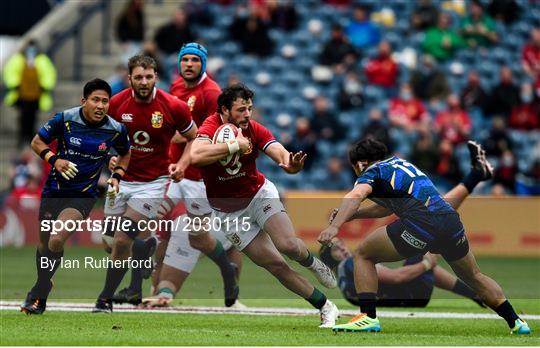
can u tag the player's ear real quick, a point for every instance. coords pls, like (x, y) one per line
(83, 101)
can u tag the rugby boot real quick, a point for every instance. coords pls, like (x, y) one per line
(520, 328)
(127, 295)
(103, 306)
(324, 275)
(329, 313)
(359, 323)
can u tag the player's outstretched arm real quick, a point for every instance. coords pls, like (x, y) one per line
(407, 273)
(349, 205)
(290, 162)
(66, 168)
(372, 211)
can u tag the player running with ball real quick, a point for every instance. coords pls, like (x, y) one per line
(426, 223)
(247, 205)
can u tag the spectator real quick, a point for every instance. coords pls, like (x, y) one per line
(338, 52)
(526, 115)
(199, 12)
(377, 129)
(453, 124)
(504, 96)
(163, 71)
(448, 164)
(406, 111)
(325, 125)
(351, 92)
(25, 166)
(506, 11)
(171, 36)
(505, 172)
(119, 81)
(498, 140)
(130, 25)
(473, 95)
(29, 77)
(530, 56)
(478, 29)
(251, 32)
(283, 15)
(382, 70)
(528, 183)
(428, 82)
(425, 153)
(361, 31)
(304, 140)
(441, 42)
(424, 16)
(337, 178)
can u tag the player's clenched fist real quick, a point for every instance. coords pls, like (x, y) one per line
(243, 143)
(113, 162)
(66, 168)
(176, 172)
(327, 235)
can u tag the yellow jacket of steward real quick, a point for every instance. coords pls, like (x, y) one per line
(46, 72)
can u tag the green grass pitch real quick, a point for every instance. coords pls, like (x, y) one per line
(519, 277)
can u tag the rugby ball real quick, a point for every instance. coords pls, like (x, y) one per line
(225, 133)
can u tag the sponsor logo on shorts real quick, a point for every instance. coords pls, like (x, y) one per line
(147, 206)
(235, 239)
(195, 206)
(413, 241)
(267, 208)
(182, 252)
(461, 240)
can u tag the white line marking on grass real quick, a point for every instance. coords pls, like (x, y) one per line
(87, 307)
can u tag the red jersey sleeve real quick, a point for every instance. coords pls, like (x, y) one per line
(182, 116)
(207, 129)
(263, 137)
(210, 100)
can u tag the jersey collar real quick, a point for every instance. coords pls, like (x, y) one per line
(93, 125)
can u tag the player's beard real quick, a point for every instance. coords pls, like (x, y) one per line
(146, 97)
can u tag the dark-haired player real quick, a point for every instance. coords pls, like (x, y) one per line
(241, 193)
(412, 284)
(152, 118)
(200, 92)
(85, 134)
(427, 222)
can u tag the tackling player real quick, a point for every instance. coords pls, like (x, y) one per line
(152, 117)
(241, 193)
(412, 284)
(85, 134)
(200, 92)
(427, 223)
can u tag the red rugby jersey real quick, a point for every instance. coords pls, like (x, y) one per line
(151, 127)
(202, 102)
(231, 189)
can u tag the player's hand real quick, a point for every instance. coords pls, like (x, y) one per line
(431, 259)
(333, 215)
(114, 184)
(243, 142)
(296, 162)
(112, 190)
(327, 235)
(66, 168)
(164, 208)
(176, 172)
(113, 162)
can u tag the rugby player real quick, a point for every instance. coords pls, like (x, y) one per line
(85, 134)
(241, 193)
(412, 284)
(152, 117)
(200, 92)
(426, 222)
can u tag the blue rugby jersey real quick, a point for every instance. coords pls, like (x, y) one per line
(87, 145)
(404, 189)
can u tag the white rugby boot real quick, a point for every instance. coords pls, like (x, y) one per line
(329, 314)
(323, 273)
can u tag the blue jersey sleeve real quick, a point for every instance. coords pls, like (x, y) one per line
(121, 145)
(52, 129)
(369, 176)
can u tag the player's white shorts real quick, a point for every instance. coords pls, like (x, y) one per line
(240, 227)
(180, 254)
(194, 195)
(143, 197)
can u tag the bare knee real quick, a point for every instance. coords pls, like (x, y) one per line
(56, 244)
(121, 246)
(291, 248)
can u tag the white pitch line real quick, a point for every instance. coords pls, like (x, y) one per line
(87, 307)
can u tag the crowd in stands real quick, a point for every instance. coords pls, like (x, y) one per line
(423, 76)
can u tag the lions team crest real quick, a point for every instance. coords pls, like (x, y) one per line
(191, 102)
(157, 119)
